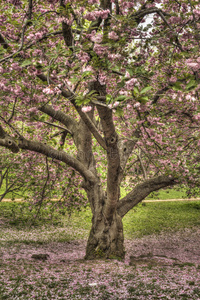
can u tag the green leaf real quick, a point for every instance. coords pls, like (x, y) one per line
(146, 89)
(108, 98)
(136, 91)
(86, 73)
(191, 84)
(130, 71)
(58, 47)
(177, 86)
(143, 100)
(26, 62)
(121, 98)
(119, 112)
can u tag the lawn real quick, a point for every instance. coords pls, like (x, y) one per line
(162, 254)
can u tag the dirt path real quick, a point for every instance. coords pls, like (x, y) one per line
(147, 200)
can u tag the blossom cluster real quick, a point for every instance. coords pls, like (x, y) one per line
(193, 64)
(92, 16)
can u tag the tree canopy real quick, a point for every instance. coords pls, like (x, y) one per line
(102, 90)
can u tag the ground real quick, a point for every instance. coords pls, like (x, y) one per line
(164, 266)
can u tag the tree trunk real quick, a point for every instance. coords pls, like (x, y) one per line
(105, 240)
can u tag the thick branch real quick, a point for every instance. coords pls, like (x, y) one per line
(71, 96)
(60, 116)
(59, 155)
(7, 141)
(67, 34)
(3, 42)
(91, 126)
(141, 191)
(138, 16)
(57, 126)
(113, 158)
(30, 8)
(66, 29)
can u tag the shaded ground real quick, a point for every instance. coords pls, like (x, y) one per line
(166, 266)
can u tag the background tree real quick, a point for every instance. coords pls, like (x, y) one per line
(92, 85)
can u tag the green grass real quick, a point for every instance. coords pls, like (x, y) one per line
(163, 194)
(168, 194)
(144, 219)
(153, 218)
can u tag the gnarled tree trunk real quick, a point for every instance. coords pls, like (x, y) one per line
(105, 240)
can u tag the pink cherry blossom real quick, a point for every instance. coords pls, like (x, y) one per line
(48, 91)
(86, 109)
(113, 35)
(131, 83)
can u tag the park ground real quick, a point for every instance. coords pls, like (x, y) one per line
(162, 242)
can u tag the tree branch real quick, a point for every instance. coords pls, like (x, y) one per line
(57, 126)
(141, 191)
(7, 141)
(3, 42)
(138, 16)
(60, 116)
(113, 158)
(126, 149)
(59, 155)
(71, 96)
(30, 8)
(66, 29)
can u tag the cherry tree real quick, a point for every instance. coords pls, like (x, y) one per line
(105, 89)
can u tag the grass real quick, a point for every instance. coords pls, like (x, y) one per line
(155, 217)
(144, 219)
(168, 194)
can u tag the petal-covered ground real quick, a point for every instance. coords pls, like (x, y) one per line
(165, 266)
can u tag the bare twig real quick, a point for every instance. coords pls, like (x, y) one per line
(13, 111)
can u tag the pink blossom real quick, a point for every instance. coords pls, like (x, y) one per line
(102, 78)
(196, 12)
(97, 38)
(127, 75)
(191, 64)
(83, 56)
(57, 91)
(104, 14)
(137, 104)
(100, 50)
(86, 109)
(90, 16)
(30, 36)
(116, 56)
(197, 117)
(112, 35)
(173, 79)
(48, 91)
(93, 1)
(33, 109)
(130, 84)
(116, 104)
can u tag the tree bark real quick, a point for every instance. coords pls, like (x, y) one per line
(105, 240)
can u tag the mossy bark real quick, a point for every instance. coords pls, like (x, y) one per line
(106, 240)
